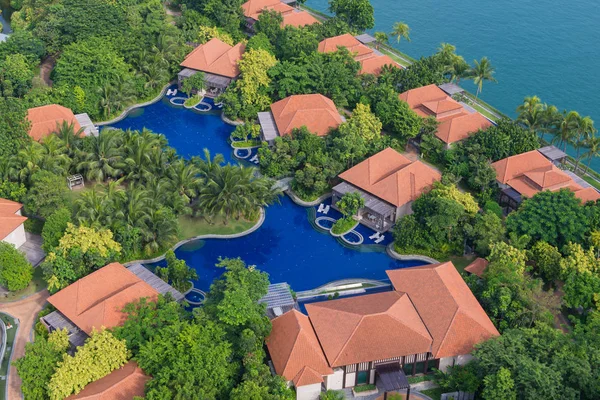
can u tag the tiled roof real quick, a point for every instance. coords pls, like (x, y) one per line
(392, 177)
(315, 111)
(9, 219)
(97, 300)
(373, 65)
(370, 61)
(368, 328)
(451, 313)
(253, 8)
(298, 19)
(295, 350)
(43, 120)
(477, 267)
(530, 173)
(216, 57)
(460, 127)
(456, 123)
(124, 383)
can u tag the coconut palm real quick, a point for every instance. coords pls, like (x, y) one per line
(381, 38)
(105, 160)
(458, 69)
(69, 135)
(137, 156)
(55, 157)
(585, 132)
(593, 146)
(185, 179)
(92, 208)
(9, 168)
(208, 164)
(482, 71)
(161, 229)
(447, 50)
(401, 30)
(532, 113)
(29, 160)
(565, 128)
(136, 206)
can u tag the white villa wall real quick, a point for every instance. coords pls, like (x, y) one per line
(308, 392)
(372, 377)
(403, 210)
(350, 379)
(335, 381)
(452, 361)
(17, 237)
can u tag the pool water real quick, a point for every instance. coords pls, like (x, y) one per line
(290, 250)
(188, 131)
(287, 246)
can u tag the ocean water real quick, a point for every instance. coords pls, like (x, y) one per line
(546, 48)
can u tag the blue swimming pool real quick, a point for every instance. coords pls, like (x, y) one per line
(287, 246)
(291, 250)
(188, 131)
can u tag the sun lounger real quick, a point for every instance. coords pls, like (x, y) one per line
(374, 236)
(380, 239)
(321, 208)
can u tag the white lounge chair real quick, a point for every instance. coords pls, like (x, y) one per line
(326, 210)
(380, 239)
(171, 92)
(321, 208)
(374, 236)
(254, 159)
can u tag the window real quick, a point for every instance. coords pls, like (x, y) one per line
(362, 377)
(408, 369)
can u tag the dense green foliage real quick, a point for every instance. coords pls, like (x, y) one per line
(217, 352)
(177, 272)
(15, 271)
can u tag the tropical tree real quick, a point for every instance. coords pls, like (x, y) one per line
(401, 31)
(593, 146)
(459, 69)
(70, 137)
(566, 127)
(585, 133)
(381, 38)
(482, 71)
(532, 113)
(105, 158)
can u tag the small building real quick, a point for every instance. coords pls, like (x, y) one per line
(389, 183)
(46, 120)
(554, 154)
(314, 111)
(291, 16)
(12, 230)
(217, 60)
(430, 320)
(125, 383)
(371, 60)
(97, 300)
(526, 174)
(477, 267)
(456, 122)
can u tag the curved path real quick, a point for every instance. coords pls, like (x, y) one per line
(26, 312)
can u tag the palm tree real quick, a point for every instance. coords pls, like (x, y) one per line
(105, 160)
(532, 113)
(447, 50)
(593, 146)
(55, 157)
(459, 69)
(381, 38)
(208, 164)
(185, 179)
(9, 168)
(70, 137)
(585, 132)
(482, 71)
(161, 230)
(401, 30)
(29, 160)
(566, 128)
(92, 208)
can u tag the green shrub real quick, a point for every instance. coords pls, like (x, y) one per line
(54, 228)
(15, 270)
(343, 225)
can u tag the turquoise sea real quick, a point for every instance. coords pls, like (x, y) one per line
(547, 48)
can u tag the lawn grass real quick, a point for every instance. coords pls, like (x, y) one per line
(401, 58)
(435, 394)
(421, 378)
(461, 262)
(37, 284)
(591, 181)
(192, 227)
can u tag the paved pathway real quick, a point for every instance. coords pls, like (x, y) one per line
(25, 311)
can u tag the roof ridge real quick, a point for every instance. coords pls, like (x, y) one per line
(362, 317)
(105, 298)
(421, 318)
(288, 358)
(448, 330)
(414, 308)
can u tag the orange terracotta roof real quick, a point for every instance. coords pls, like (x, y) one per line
(368, 328)
(512, 167)
(460, 127)
(43, 120)
(315, 111)
(348, 41)
(392, 177)
(477, 267)
(124, 383)
(456, 123)
(298, 19)
(216, 57)
(587, 194)
(373, 65)
(9, 219)
(295, 350)
(97, 300)
(253, 8)
(451, 313)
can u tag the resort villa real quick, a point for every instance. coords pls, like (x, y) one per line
(371, 60)
(291, 16)
(527, 174)
(125, 383)
(96, 301)
(46, 119)
(12, 230)
(430, 320)
(389, 183)
(217, 60)
(314, 111)
(456, 122)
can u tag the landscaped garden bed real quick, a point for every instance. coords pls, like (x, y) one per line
(343, 226)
